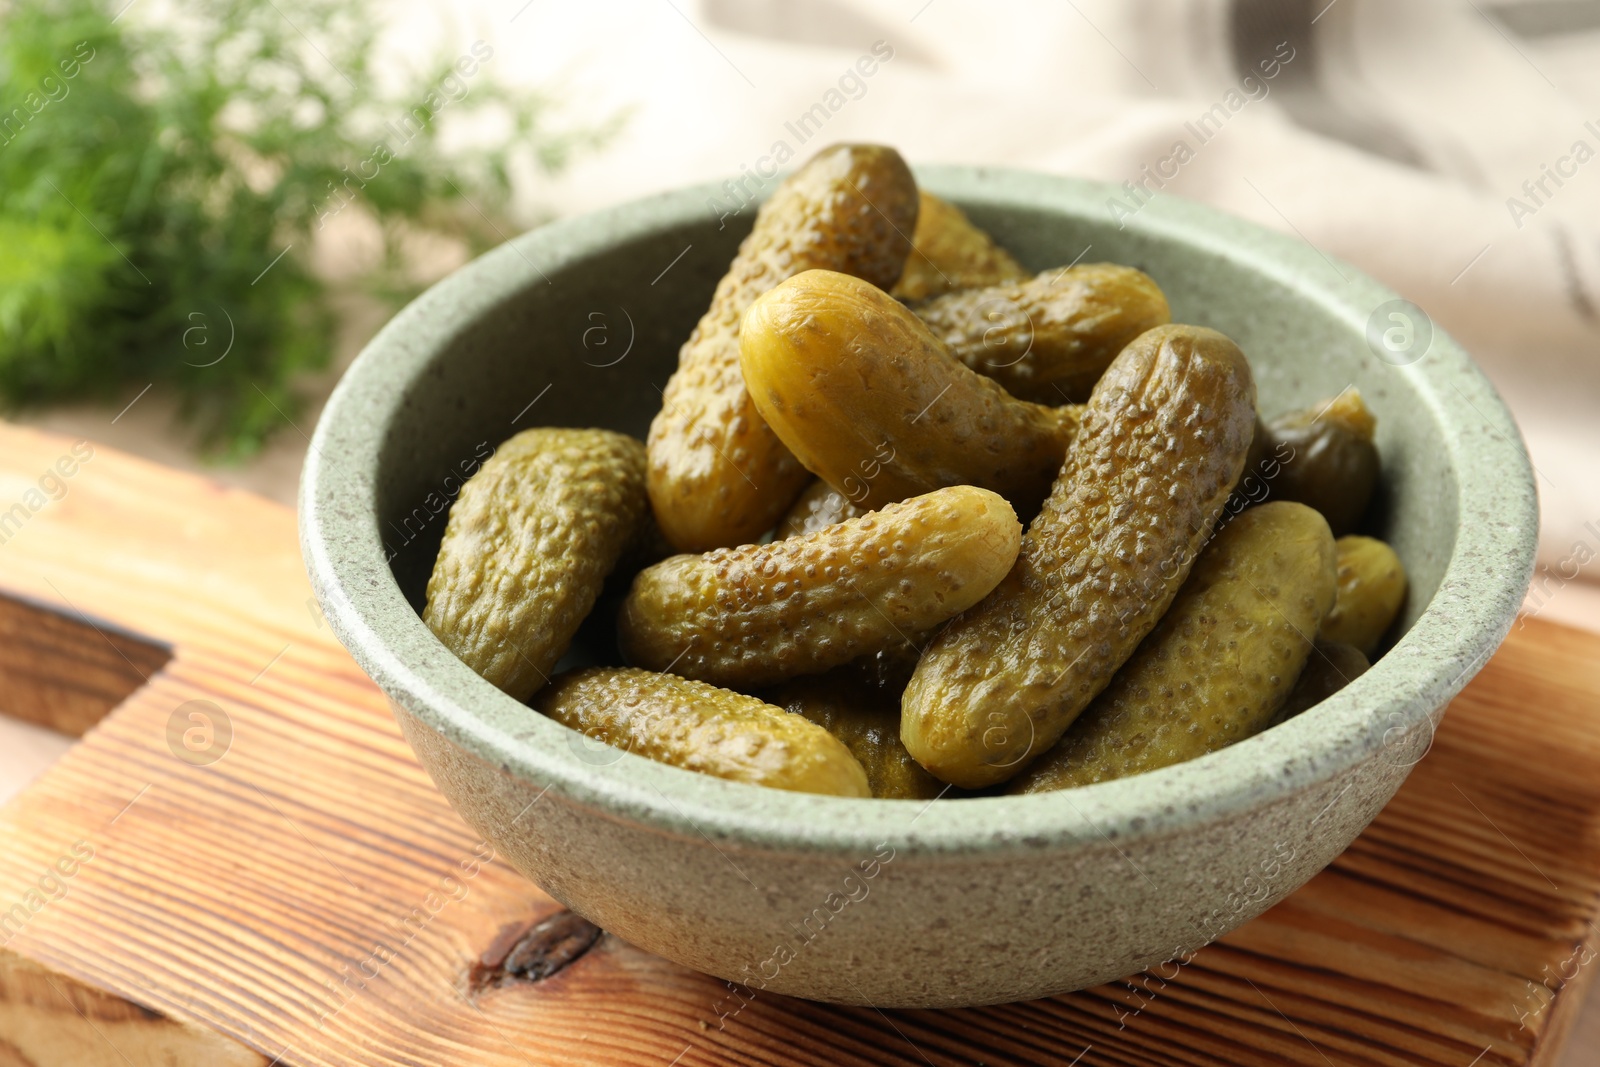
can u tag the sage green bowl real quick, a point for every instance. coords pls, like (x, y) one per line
(903, 903)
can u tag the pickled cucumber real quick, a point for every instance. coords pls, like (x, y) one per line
(890, 668)
(949, 252)
(1372, 588)
(1328, 458)
(1050, 337)
(1330, 667)
(866, 718)
(718, 475)
(876, 406)
(1260, 468)
(1219, 664)
(527, 547)
(758, 614)
(819, 505)
(699, 727)
(1163, 440)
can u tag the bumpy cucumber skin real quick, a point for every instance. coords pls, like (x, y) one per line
(527, 547)
(1331, 666)
(1163, 441)
(819, 505)
(1218, 666)
(1050, 337)
(948, 252)
(759, 614)
(875, 405)
(718, 475)
(866, 719)
(1372, 589)
(699, 727)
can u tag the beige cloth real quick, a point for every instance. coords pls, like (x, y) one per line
(1393, 138)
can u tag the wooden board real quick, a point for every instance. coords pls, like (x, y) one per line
(301, 894)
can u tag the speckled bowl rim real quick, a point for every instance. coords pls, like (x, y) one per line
(1474, 607)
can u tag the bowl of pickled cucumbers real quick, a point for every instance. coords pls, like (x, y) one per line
(916, 587)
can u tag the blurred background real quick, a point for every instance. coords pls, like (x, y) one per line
(207, 208)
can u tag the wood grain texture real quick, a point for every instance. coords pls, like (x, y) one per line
(65, 672)
(47, 1019)
(307, 897)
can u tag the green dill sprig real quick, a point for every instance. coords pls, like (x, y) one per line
(160, 188)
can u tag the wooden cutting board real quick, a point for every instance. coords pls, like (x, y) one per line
(242, 863)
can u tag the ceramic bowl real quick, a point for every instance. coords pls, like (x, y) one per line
(904, 903)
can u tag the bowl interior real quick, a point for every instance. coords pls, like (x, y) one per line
(590, 345)
(579, 324)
